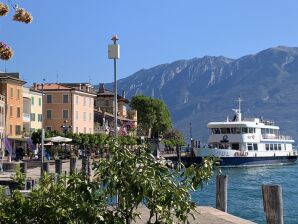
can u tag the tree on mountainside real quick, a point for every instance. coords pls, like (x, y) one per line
(153, 115)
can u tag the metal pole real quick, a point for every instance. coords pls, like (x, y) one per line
(42, 129)
(115, 99)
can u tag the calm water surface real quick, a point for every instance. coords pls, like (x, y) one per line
(245, 194)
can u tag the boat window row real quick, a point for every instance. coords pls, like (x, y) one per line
(269, 131)
(243, 130)
(252, 147)
(273, 147)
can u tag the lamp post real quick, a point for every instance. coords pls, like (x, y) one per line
(114, 53)
(65, 129)
(42, 127)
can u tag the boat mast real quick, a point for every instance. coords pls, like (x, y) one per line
(238, 111)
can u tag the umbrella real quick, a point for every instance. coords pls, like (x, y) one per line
(58, 139)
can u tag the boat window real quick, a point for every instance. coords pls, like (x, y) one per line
(279, 146)
(275, 146)
(271, 147)
(255, 147)
(267, 147)
(216, 131)
(263, 131)
(223, 130)
(251, 130)
(235, 146)
(233, 130)
(249, 146)
(238, 130)
(244, 130)
(228, 131)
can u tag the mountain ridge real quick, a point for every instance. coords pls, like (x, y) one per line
(200, 90)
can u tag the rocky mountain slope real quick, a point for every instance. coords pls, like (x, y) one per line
(201, 90)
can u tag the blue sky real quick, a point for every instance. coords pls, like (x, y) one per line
(67, 40)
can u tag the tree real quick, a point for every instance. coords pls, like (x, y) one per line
(133, 175)
(173, 137)
(153, 114)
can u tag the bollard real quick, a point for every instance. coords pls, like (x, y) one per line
(28, 185)
(84, 165)
(72, 165)
(45, 167)
(222, 192)
(273, 203)
(58, 166)
(23, 167)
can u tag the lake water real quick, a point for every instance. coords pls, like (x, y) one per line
(245, 194)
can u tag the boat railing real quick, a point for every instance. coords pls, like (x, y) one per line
(279, 137)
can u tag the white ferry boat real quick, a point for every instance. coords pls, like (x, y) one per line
(247, 142)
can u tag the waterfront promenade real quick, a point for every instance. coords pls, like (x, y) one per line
(205, 214)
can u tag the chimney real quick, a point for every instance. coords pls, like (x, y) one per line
(35, 86)
(101, 88)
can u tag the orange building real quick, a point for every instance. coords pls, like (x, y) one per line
(11, 86)
(67, 107)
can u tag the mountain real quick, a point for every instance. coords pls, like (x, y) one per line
(201, 90)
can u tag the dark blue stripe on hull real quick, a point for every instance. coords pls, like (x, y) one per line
(252, 161)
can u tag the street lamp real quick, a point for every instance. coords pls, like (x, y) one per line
(42, 126)
(65, 127)
(114, 53)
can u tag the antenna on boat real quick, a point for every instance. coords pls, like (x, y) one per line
(238, 111)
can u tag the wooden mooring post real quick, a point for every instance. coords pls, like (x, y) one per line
(273, 204)
(58, 166)
(72, 165)
(222, 192)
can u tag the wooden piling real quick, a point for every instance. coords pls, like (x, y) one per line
(23, 167)
(222, 192)
(58, 166)
(72, 165)
(45, 167)
(273, 204)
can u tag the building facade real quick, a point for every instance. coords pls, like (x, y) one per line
(11, 87)
(67, 107)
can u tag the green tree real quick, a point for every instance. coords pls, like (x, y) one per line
(173, 137)
(153, 114)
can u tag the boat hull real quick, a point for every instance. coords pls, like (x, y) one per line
(251, 161)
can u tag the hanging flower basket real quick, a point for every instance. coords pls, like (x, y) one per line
(5, 51)
(22, 15)
(3, 9)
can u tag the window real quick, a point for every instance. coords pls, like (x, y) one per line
(11, 92)
(65, 98)
(84, 116)
(18, 112)
(39, 101)
(49, 114)
(18, 129)
(39, 117)
(271, 146)
(32, 100)
(275, 147)
(279, 146)
(77, 115)
(32, 117)
(90, 102)
(244, 130)
(10, 111)
(18, 93)
(255, 147)
(10, 129)
(238, 130)
(77, 100)
(251, 130)
(90, 117)
(223, 130)
(49, 128)
(49, 98)
(267, 147)
(65, 114)
(249, 146)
